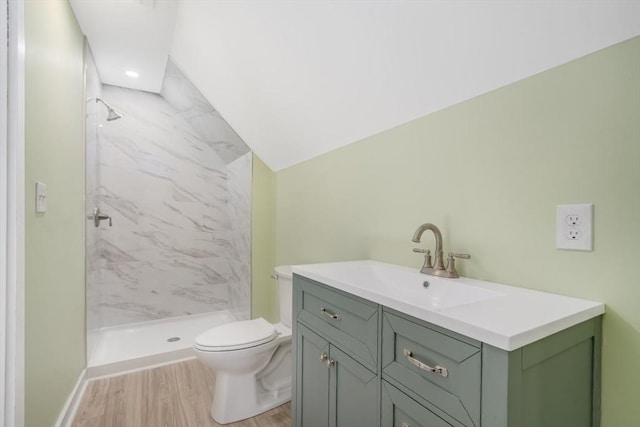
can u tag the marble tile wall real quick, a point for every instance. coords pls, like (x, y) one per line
(93, 90)
(239, 210)
(178, 91)
(180, 203)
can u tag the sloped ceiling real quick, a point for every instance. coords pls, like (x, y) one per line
(296, 79)
(128, 35)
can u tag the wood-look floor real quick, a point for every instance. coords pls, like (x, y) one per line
(177, 395)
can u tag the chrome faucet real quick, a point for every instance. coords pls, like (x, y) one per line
(437, 268)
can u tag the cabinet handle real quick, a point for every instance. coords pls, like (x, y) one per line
(324, 358)
(329, 314)
(437, 370)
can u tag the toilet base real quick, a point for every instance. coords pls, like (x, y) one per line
(238, 397)
(252, 380)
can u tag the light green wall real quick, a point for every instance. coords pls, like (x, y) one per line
(263, 253)
(490, 172)
(54, 292)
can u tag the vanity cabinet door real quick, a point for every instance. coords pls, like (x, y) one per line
(312, 380)
(399, 410)
(333, 389)
(353, 393)
(336, 340)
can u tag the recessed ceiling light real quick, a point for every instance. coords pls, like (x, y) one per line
(132, 74)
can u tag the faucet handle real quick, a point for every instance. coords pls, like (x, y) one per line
(427, 257)
(451, 265)
(457, 255)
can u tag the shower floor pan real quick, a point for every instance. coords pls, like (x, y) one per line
(136, 346)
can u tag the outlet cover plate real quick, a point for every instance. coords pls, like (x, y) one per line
(574, 227)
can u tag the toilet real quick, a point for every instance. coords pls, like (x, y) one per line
(251, 360)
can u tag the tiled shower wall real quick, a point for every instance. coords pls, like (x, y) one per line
(93, 90)
(175, 178)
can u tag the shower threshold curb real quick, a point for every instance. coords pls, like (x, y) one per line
(138, 364)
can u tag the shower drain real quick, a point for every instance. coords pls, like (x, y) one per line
(173, 339)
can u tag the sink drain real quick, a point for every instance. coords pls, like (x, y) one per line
(173, 339)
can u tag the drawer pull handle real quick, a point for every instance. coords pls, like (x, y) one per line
(329, 314)
(437, 370)
(324, 358)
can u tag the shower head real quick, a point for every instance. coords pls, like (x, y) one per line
(113, 114)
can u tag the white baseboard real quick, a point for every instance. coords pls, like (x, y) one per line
(70, 408)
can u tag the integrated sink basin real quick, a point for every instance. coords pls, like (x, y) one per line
(404, 284)
(506, 317)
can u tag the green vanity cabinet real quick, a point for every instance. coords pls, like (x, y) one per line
(410, 348)
(336, 347)
(553, 382)
(385, 368)
(332, 388)
(349, 322)
(399, 410)
(313, 392)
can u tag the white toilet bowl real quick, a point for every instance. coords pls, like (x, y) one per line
(251, 360)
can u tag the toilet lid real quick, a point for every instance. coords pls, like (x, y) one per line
(237, 335)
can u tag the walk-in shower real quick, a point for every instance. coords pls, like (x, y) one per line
(174, 181)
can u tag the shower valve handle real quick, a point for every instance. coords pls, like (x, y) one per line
(97, 217)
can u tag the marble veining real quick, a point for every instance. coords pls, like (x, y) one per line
(92, 258)
(239, 210)
(176, 181)
(200, 114)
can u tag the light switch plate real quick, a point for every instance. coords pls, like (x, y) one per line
(574, 227)
(41, 197)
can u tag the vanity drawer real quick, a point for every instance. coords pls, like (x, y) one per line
(443, 369)
(346, 320)
(399, 410)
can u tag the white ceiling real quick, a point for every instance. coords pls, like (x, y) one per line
(128, 35)
(296, 79)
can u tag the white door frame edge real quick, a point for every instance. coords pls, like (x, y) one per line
(12, 231)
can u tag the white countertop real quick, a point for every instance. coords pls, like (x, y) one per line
(503, 316)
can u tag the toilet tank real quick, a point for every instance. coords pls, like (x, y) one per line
(284, 276)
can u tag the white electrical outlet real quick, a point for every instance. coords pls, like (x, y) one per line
(574, 233)
(574, 219)
(574, 227)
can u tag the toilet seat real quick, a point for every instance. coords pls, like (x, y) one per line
(236, 335)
